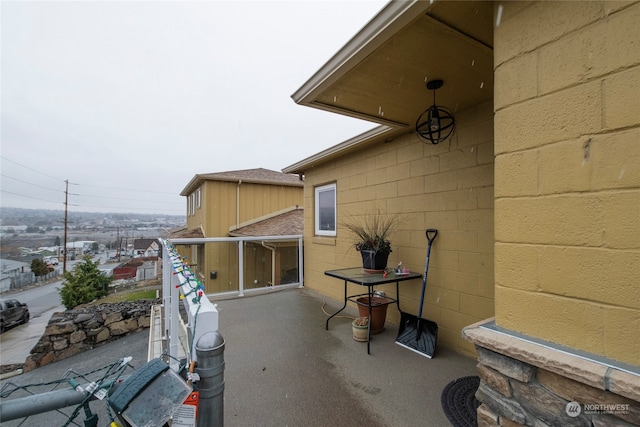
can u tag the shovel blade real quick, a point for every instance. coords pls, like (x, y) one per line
(418, 335)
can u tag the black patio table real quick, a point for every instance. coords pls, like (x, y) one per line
(360, 277)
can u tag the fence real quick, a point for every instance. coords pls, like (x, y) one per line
(20, 280)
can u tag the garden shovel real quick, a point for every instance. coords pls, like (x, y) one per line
(415, 333)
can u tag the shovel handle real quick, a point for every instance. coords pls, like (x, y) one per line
(431, 234)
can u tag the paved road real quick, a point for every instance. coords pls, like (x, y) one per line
(43, 301)
(17, 342)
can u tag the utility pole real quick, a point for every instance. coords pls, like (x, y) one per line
(118, 242)
(66, 204)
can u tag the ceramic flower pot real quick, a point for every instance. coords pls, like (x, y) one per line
(374, 262)
(359, 328)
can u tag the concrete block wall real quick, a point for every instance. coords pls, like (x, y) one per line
(567, 174)
(448, 187)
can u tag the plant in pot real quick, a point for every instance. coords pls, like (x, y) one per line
(372, 232)
(359, 327)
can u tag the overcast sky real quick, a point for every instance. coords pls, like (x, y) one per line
(129, 100)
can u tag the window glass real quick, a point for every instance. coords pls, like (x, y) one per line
(325, 210)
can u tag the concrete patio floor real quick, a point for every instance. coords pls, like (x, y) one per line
(282, 368)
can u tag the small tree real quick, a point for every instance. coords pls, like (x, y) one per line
(39, 267)
(84, 284)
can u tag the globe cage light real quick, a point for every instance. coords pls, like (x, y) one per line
(436, 123)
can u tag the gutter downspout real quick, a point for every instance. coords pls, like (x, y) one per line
(238, 204)
(273, 262)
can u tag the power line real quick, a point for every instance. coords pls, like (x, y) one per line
(31, 169)
(135, 190)
(29, 183)
(28, 197)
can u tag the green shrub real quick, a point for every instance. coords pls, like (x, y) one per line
(84, 284)
(39, 267)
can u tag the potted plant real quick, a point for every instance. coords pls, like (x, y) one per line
(360, 327)
(372, 232)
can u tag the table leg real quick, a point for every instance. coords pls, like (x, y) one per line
(343, 307)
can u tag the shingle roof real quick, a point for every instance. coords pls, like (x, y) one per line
(185, 233)
(284, 224)
(257, 176)
(143, 243)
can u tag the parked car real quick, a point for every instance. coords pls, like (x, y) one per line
(12, 312)
(51, 260)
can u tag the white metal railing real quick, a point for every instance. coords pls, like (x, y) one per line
(240, 248)
(180, 282)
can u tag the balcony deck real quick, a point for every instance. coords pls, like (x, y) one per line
(284, 368)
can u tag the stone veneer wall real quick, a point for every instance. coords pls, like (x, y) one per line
(74, 331)
(523, 383)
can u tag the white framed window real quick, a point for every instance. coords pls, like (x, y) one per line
(325, 210)
(192, 210)
(198, 198)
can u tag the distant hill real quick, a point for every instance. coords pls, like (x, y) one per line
(55, 218)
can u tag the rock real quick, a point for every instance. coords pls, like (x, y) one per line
(77, 336)
(144, 321)
(498, 403)
(494, 379)
(83, 317)
(506, 365)
(123, 327)
(60, 344)
(104, 335)
(112, 318)
(60, 328)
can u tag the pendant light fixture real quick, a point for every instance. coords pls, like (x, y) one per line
(437, 123)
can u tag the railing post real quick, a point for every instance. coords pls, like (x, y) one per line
(241, 268)
(210, 368)
(300, 263)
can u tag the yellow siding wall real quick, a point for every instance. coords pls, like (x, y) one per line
(448, 187)
(218, 212)
(567, 183)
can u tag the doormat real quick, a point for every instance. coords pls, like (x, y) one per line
(459, 401)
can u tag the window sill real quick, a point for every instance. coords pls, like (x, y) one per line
(324, 240)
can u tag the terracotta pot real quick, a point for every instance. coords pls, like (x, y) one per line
(378, 312)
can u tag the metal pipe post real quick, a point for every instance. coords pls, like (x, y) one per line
(210, 368)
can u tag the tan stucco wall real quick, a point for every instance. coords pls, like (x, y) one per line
(448, 187)
(567, 181)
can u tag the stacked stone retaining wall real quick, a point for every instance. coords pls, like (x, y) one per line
(74, 331)
(524, 383)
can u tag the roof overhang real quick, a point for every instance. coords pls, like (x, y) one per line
(380, 75)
